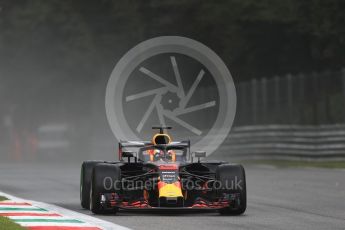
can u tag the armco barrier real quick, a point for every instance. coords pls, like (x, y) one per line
(324, 142)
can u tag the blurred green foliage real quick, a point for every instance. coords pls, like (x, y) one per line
(58, 55)
(255, 38)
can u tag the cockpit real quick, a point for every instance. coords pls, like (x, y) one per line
(163, 154)
(160, 149)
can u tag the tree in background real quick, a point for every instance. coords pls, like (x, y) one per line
(54, 53)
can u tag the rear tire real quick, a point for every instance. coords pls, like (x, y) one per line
(100, 174)
(229, 174)
(85, 182)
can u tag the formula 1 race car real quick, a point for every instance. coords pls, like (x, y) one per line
(161, 174)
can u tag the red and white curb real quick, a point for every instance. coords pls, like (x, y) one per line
(42, 216)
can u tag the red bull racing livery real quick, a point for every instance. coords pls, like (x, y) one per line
(162, 174)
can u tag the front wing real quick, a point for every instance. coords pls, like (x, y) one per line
(110, 201)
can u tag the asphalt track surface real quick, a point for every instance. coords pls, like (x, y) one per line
(290, 198)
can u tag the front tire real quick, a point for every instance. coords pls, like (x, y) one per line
(100, 175)
(234, 175)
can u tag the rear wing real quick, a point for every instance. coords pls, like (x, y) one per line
(140, 144)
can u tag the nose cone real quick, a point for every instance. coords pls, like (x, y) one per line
(170, 190)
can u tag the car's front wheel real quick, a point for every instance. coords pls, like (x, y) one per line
(104, 176)
(232, 178)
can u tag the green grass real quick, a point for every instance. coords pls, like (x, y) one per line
(296, 163)
(2, 198)
(7, 224)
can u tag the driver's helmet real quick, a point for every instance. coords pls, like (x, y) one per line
(171, 155)
(156, 154)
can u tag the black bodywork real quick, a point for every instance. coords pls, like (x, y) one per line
(162, 181)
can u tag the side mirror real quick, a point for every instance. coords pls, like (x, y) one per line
(200, 154)
(128, 154)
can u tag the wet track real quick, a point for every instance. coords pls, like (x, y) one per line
(277, 198)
